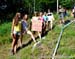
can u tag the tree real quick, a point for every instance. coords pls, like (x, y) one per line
(8, 7)
(67, 3)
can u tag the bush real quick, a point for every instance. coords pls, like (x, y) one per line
(5, 30)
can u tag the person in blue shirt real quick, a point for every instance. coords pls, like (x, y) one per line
(25, 28)
(45, 17)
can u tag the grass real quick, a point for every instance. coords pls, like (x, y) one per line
(5, 30)
(45, 49)
(67, 43)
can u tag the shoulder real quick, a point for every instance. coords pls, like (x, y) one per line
(22, 21)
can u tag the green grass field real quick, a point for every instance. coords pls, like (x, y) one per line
(45, 49)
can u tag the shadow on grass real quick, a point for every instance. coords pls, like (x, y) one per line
(30, 41)
(24, 45)
(46, 31)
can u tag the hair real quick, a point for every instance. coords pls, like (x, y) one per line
(24, 17)
(45, 13)
(40, 13)
(16, 18)
(35, 13)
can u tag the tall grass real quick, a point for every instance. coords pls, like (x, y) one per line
(45, 48)
(5, 30)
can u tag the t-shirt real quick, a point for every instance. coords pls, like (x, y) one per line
(17, 28)
(41, 18)
(45, 18)
(24, 25)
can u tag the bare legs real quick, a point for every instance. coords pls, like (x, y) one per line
(14, 43)
(30, 33)
(39, 34)
(50, 24)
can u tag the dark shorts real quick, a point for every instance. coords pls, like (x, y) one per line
(61, 17)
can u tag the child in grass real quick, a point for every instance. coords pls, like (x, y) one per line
(45, 17)
(16, 32)
(36, 18)
(41, 18)
(25, 27)
(50, 19)
(61, 14)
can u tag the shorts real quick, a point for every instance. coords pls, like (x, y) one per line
(61, 16)
(16, 32)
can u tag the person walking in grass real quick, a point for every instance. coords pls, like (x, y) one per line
(16, 32)
(41, 18)
(61, 14)
(25, 27)
(36, 18)
(45, 19)
(50, 19)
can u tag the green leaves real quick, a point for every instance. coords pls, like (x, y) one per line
(67, 3)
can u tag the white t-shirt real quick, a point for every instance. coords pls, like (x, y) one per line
(50, 17)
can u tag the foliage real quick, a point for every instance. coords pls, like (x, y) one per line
(67, 3)
(5, 30)
(8, 7)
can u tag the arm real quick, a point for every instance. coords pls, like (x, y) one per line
(53, 17)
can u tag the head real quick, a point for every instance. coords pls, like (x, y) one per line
(48, 10)
(25, 17)
(18, 15)
(44, 13)
(40, 14)
(35, 13)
